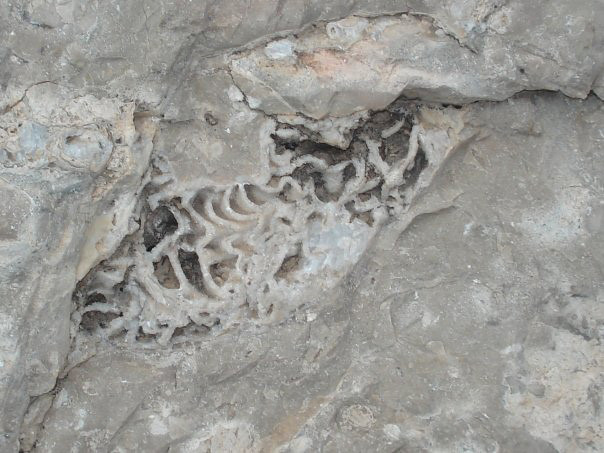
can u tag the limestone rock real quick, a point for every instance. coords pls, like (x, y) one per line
(290, 226)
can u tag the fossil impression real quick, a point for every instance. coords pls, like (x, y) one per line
(213, 256)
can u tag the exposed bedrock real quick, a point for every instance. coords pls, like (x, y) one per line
(200, 199)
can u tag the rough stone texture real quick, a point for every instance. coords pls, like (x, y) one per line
(285, 225)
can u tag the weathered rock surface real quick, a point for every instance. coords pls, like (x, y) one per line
(301, 226)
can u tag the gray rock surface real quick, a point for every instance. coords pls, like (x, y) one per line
(301, 226)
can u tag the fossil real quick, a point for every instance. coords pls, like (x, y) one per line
(212, 257)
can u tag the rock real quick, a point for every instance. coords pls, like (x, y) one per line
(346, 66)
(301, 226)
(277, 50)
